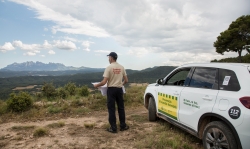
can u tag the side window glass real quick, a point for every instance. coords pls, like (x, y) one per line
(179, 77)
(228, 80)
(204, 78)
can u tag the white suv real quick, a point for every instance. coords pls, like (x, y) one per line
(210, 101)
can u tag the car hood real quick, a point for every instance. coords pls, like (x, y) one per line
(153, 84)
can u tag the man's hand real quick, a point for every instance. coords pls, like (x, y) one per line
(96, 85)
(103, 82)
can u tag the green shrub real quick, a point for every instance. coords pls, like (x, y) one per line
(62, 93)
(49, 90)
(56, 125)
(3, 107)
(54, 110)
(77, 103)
(84, 91)
(40, 132)
(71, 88)
(89, 125)
(20, 102)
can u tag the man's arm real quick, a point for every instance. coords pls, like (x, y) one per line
(103, 82)
(125, 80)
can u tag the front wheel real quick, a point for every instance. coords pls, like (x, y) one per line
(217, 135)
(152, 110)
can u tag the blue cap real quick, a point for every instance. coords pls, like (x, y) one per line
(113, 54)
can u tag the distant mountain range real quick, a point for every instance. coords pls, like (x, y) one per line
(31, 68)
(39, 66)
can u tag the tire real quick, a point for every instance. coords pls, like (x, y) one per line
(217, 135)
(152, 110)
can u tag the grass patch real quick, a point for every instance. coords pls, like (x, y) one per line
(18, 138)
(19, 128)
(40, 132)
(56, 125)
(54, 110)
(2, 137)
(89, 125)
(166, 135)
(81, 110)
(134, 96)
(139, 118)
(3, 144)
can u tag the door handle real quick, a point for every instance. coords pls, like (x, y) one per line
(207, 98)
(176, 93)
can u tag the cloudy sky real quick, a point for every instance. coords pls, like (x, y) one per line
(144, 33)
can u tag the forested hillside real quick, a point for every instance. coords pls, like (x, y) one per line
(144, 76)
(245, 59)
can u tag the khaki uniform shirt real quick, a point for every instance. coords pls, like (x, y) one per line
(115, 73)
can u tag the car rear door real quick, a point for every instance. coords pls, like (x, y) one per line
(199, 96)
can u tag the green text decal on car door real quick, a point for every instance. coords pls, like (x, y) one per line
(168, 104)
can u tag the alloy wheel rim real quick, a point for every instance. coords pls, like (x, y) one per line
(216, 139)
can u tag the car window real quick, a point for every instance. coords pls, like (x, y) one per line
(178, 77)
(204, 78)
(228, 80)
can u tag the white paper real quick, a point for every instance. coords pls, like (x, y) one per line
(104, 88)
(226, 80)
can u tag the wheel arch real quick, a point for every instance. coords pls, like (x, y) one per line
(210, 117)
(146, 100)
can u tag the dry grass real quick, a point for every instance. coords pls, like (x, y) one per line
(40, 132)
(89, 125)
(56, 125)
(25, 128)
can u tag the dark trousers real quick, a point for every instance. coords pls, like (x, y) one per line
(115, 94)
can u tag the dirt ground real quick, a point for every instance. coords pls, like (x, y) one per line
(74, 133)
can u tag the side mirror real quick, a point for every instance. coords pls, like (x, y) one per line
(159, 81)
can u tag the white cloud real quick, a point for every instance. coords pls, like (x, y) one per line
(86, 45)
(45, 29)
(42, 55)
(71, 39)
(7, 47)
(47, 45)
(102, 51)
(64, 45)
(30, 53)
(65, 22)
(142, 51)
(180, 58)
(51, 52)
(30, 47)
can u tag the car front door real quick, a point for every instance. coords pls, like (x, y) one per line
(169, 92)
(199, 96)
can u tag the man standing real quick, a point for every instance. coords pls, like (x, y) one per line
(113, 76)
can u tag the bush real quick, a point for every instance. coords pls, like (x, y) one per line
(40, 132)
(84, 91)
(77, 103)
(49, 90)
(3, 107)
(62, 93)
(71, 88)
(19, 103)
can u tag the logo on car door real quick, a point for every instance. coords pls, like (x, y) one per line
(168, 105)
